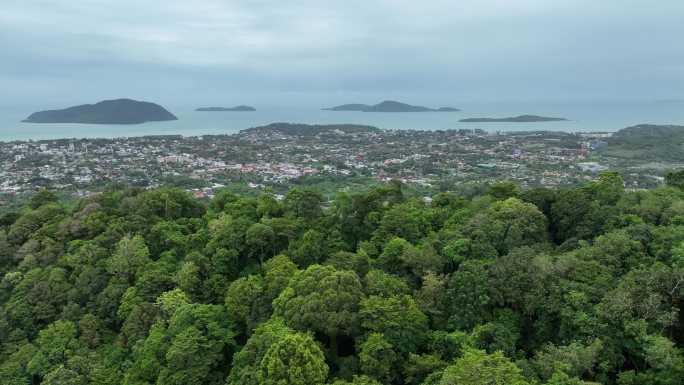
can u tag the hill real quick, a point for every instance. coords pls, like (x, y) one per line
(647, 142)
(389, 106)
(292, 129)
(514, 119)
(119, 111)
(227, 109)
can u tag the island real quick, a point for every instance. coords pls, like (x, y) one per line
(119, 111)
(227, 109)
(515, 119)
(389, 106)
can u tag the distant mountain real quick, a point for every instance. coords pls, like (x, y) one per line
(389, 106)
(227, 109)
(292, 129)
(515, 119)
(120, 111)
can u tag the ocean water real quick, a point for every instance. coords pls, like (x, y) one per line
(584, 116)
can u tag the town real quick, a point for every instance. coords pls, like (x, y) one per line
(279, 154)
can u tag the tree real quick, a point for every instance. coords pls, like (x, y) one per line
(479, 368)
(245, 302)
(574, 214)
(344, 260)
(322, 299)
(519, 281)
(64, 376)
(379, 283)
(199, 338)
(130, 257)
(377, 358)
(675, 179)
(311, 248)
(401, 258)
(609, 187)
(278, 271)
(560, 378)
(499, 335)
(503, 190)
(398, 319)
(430, 299)
(407, 220)
(295, 359)
(245, 368)
(268, 206)
(56, 344)
(37, 298)
(419, 367)
(89, 330)
(469, 298)
(508, 224)
(357, 380)
(228, 238)
(260, 238)
(42, 197)
(148, 357)
(574, 360)
(304, 204)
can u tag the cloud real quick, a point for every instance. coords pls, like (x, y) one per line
(466, 48)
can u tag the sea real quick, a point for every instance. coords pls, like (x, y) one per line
(584, 116)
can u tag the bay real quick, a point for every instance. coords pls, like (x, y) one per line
(585, 116)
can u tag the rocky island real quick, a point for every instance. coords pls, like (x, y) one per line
(389, 106)
(227, 109)
(119, 111)
(515, 119)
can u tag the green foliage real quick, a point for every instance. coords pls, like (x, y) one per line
(468, 295)
(508, 224)
(245, 301)
(397, 318)
(294, 359)
(321, 299)
(478, 368)
(577, 286)
(378, 358)
(675, 179)
(245, 366)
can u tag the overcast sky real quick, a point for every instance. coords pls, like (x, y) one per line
(194, 52)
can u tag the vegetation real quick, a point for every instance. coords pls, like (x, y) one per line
(498, 286)
(647, 143)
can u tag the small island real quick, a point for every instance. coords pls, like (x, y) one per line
(389, 106)
(119, 111)
(515, 119)
(227, 109)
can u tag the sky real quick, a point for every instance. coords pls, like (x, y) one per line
(289, 52)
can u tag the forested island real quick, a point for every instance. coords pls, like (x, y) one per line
(227, 109)
(571, 286)
(389, 106)
(515, 119)
(119, 111)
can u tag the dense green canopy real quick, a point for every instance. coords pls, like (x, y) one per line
(507, 286)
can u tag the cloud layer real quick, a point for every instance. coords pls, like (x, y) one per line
(283, 52)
